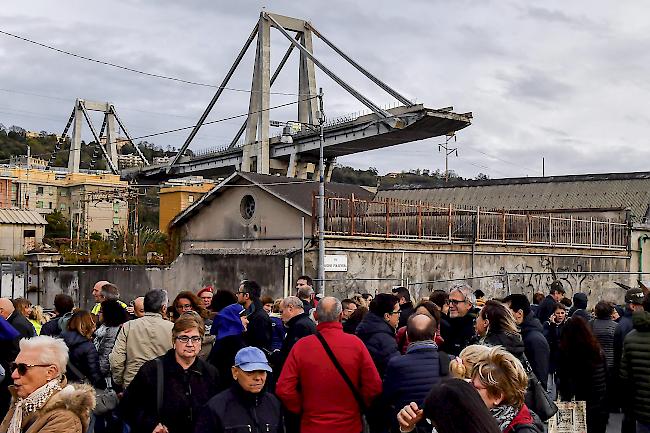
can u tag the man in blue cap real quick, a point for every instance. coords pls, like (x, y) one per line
(233, 408)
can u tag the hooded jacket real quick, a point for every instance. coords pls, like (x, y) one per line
(66, 411)
(536, 347)
(84, 357)
(228, 328)
(379, 338)
(579, 306)
(635, 366)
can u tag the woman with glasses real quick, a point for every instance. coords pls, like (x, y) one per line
(42, 400)
(187, 384)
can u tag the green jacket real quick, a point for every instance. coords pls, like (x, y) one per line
(635, 366)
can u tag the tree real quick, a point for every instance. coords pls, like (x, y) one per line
(482, 176)
(58, 226)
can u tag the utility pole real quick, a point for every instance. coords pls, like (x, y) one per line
(29, 153)
(448, 151)
(321, 196)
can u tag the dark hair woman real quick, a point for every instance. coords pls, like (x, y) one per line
(583, 372)
(221, 299)
(111, 317)
(188, 383)
(84, 358)
(453, 406)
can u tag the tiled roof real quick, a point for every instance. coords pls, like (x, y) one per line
(612, 191)
(19, 216)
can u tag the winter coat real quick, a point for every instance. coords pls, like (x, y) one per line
(410, 377)
(222, 356)
(511, 342)
(582, 379)
(525, 421)
(260, 327)
(579, 307)
(105, 337)
(278, 333)
(185, 392)
(624, 327)
(379, 338)
(311, 385)
(553, 333)
(635, 366)
(457, 332)
(21, 324)
(52, 327)
(66, 411)
(604, 330)
(137, 342)
(406, 309)
(84, 357)
(235, 410)
(297, 327)
(536, 347)
(545, 308)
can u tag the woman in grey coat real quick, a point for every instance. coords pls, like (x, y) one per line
(111, 317)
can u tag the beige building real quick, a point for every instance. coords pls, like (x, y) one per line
(20, 231)
(177, 195)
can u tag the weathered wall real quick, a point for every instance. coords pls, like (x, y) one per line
(221, 225)
(188, 272)
(12, 238)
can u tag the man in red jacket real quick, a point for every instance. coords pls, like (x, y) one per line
(311, 385)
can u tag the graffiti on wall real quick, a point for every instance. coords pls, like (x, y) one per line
(530, 278)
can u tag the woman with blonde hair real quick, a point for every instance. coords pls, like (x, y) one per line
(501, 381)
(461, 366)
(37, 318)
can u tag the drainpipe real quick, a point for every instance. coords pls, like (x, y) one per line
(642, 239)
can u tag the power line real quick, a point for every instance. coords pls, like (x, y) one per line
(126, 68)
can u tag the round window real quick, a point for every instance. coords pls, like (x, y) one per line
(247, 207)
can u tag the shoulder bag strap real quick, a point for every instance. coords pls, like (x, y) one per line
(342, 372)
(159, 387)
(77, 372)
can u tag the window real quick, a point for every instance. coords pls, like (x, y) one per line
(190, 199)
(63, 193)
(39, 205)
(247, 207)
(39, 190)
(29, 233)
(49, 205)
(62, 207)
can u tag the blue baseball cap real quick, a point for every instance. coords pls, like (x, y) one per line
(252, 359)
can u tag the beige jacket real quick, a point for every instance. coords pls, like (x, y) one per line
(139, 341)
(67, 411)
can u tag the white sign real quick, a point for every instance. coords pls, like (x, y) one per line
(336, 263)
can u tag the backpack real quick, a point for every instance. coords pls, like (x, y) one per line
(63, 321)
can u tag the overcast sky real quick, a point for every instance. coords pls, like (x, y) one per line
(567, 81)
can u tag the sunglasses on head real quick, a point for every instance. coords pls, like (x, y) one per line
(22, 367)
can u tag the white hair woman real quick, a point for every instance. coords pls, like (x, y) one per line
(42, 400)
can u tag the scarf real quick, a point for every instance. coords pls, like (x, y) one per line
(32, 403)
(504, 415)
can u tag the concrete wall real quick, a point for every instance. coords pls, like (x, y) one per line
(188, 272)
(221, 224)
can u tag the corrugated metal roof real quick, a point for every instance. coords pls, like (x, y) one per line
(613, 193)
(19, 216)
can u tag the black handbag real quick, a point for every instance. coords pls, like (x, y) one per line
(105, 399)
(538, 400)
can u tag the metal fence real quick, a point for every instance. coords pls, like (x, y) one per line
(13, 279)
(393, 219)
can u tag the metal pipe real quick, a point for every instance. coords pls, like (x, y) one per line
(321, 196)
(302, 246)
(642, 239)
(216, 96)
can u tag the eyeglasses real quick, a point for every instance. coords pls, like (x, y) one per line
(186, 339)
(242, 293)
(456, 301)
(184, 306)
(22, 367)
(395, 312)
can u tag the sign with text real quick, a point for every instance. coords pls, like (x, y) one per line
(336, 263)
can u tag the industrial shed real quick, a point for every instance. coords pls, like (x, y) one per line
(20, 231)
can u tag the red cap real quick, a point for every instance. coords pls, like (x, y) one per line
(205, 289)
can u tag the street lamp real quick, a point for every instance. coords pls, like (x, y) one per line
(287, 138)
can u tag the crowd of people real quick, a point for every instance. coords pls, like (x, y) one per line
(234, 361)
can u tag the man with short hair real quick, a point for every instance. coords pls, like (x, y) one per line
(298, 325)
(410, 377)
(377, 329)
(63, 306)
(405, 304)
(633, 303)
(143, 339)
(104, 291)
(547, 306)
(536, 347)
(246, 403)
(312, 386)
(260, 327)
(460, 324)
(305, 291)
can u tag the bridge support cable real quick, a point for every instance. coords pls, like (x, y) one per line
(216, 96)
(365, 101)
(61, 141)
(109, 160)
(233, 143)
(361, 69)
(137, 149)
(93, 159)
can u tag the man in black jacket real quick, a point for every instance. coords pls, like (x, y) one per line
(377, 330)
(460, 329)
(298, 325)
(547, 306)
(405, 305)
(260, 327)
(245, 406)
(536, 346)
(63, 304)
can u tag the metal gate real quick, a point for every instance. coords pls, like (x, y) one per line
(13, 279)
